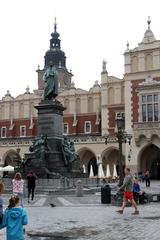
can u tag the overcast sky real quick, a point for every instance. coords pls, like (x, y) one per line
(90, 31)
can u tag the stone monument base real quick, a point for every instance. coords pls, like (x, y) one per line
(46, 157)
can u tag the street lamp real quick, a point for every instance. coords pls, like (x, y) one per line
(121, 137)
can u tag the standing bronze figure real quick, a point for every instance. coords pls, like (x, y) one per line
(50, 78)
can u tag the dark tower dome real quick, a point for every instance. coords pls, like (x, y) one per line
(55, 54)
(57, 57)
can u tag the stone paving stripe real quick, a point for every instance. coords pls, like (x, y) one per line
(64, 201)
(40, 202)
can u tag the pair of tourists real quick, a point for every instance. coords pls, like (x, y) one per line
(18, 186)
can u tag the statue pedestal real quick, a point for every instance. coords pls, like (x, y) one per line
(47, 158)
(50, 121)
(50, 118)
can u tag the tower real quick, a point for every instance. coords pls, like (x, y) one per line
(58, 59)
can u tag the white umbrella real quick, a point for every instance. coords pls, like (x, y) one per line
(108, 174)
(91, 172)
(1, 169)
(84, 168)
(8, 168)
(114, 171)
(100, 171)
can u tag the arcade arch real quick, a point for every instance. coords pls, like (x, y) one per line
(149, 159)
(111, 156)
(88, 158)
(10, 157)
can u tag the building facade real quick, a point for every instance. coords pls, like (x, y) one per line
(142, 102)
(90, 115)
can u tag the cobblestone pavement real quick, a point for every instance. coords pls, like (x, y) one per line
(85, 218)
(154, 188)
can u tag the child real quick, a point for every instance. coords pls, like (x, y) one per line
(14, 218)
(18, 184)
(1, 201)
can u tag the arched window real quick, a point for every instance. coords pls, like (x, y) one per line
(66, 104)
(90, 104)
(111, 95)
(11, 110)
(149, 62)
(134, 62)
(21, 110)
(2, 112)
(78, 105)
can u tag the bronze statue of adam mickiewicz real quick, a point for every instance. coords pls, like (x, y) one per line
(50, 78)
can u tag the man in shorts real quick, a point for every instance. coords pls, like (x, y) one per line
(128, 192)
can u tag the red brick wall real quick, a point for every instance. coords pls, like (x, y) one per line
(157, 78)
(15, 132)
(79, 128)
(61, 77)
(112, 116)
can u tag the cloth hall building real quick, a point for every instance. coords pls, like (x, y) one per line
(90, 115)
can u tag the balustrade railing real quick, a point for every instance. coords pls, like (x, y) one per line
(146, 125)
(16, 141)
(87, 139)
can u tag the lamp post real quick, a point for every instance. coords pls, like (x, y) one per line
(121, 137)
(129, 155)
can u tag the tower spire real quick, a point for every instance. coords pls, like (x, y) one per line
(149, 22)
(55, 24)
(127, 45)
(148, 35)
(55, 54)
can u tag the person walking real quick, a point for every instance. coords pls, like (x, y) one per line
(128, 192)
(18, 184)
(147, 178)
(31, 178)
(14, 219)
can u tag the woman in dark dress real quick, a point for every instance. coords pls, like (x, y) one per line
(31, 178)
